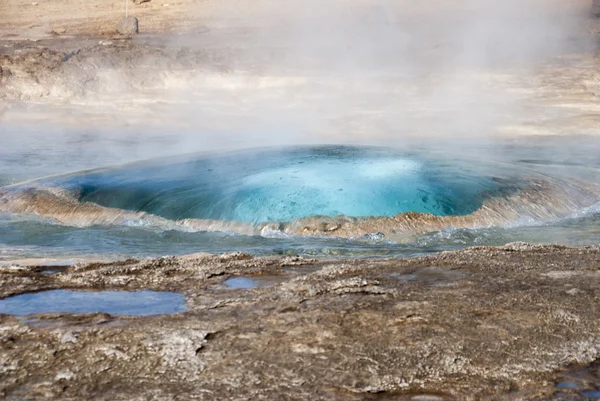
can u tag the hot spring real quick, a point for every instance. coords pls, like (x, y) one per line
(284, 185)
(319, 200)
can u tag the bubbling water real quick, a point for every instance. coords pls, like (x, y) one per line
(284, 185)
(350, 188)
(325, 200)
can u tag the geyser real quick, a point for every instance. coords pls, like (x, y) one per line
(283, 185)
(265, 201)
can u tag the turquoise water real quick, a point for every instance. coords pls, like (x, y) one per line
(263, 185)
(286, 184)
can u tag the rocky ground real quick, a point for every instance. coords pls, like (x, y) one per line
(483, 323)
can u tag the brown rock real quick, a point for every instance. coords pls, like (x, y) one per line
(128, 26)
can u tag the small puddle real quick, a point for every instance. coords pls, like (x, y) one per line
(242, 282)
(584, 381)
(394, 396)
(238, 283)
(50, 270)
(432, 276)
(568, 385)
(245, 283)
(592, 395)
(138, 303)
(302, 270)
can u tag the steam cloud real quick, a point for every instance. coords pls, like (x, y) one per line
(339, 72)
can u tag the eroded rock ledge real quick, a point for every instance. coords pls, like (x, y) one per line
(483, 323)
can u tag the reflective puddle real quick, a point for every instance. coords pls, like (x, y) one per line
(592, 395)
(240, 283)
(244, 282)
(139, 303)
(568, 385)
(582, 381)
(49, 271)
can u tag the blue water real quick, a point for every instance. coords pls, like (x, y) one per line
(240, 283)
(286, 184)
(283, 184)
(567, 385)
(140, 303)
(592, 395)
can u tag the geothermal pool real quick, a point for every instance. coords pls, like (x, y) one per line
(261, 186)
(314, 201)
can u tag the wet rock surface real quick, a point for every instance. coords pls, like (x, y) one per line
(484, 323)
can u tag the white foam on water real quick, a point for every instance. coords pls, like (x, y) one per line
(326, 174)
(333, 187)
(385, 169)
